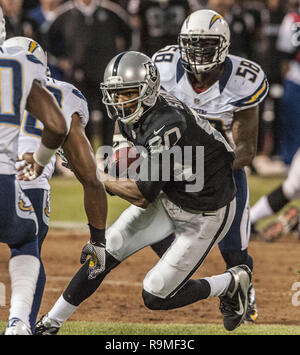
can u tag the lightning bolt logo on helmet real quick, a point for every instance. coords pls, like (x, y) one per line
(32, 46)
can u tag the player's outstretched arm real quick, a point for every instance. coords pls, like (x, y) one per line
(79, 153)
(126, 189)
(244, 132)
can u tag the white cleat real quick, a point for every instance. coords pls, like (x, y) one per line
(17, 327)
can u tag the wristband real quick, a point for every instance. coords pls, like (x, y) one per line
(97, 236)
(43, 155)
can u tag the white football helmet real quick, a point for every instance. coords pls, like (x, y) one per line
(2, 27)
(29, 45)
(204, 40)
(129, 70)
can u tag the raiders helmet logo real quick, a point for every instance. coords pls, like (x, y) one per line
(152, 70)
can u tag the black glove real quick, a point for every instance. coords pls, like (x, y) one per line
(95, 247)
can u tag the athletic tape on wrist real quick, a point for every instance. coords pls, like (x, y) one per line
(43, 155)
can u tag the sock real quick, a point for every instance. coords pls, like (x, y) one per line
(219, 284)
(23, 270)
(261, 209)
(37, 300)
(277, 200)
(61, 311)
(192, 291)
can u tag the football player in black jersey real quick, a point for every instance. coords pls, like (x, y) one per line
(192, 193)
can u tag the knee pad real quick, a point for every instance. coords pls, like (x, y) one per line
(154, 282)
(114, 240)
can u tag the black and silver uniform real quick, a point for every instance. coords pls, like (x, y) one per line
(171, 126)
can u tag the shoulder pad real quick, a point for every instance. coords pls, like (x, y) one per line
(169, 65)
(247, 85)
(32, 58)
(78, 93)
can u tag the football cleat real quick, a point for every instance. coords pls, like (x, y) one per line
(252, 313)
(286, 223)
(46, 326)
(17, 327)
(234, 304)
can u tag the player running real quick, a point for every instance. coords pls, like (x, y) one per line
(76, 148)
(200, 214)
(226, 91)
(22, 80)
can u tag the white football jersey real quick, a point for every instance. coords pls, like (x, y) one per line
(18, 70)
(70, 101)
(242, 85)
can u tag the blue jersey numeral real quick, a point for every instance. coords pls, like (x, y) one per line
(31, 124)
(11, 91)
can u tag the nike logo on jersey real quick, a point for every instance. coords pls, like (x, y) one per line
(156, 132)
(241, 310)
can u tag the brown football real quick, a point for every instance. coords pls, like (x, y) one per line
(123, 162)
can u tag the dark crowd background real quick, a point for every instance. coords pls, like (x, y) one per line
(81, 36)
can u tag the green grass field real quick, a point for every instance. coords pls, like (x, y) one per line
(96, 328)
(66, 206)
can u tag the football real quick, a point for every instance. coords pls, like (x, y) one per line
(124, 161)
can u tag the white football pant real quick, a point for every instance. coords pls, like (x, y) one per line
(196, 234)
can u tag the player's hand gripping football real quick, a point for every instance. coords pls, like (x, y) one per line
(28, 169)
(97, 260)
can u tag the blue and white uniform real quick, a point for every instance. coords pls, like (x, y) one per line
(70, 101)
(243, 85)
(18, 70)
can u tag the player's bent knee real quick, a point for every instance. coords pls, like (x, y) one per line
(114, 241)
(154, 283)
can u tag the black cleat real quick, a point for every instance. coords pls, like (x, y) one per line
(46, 326)
(234, 304)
